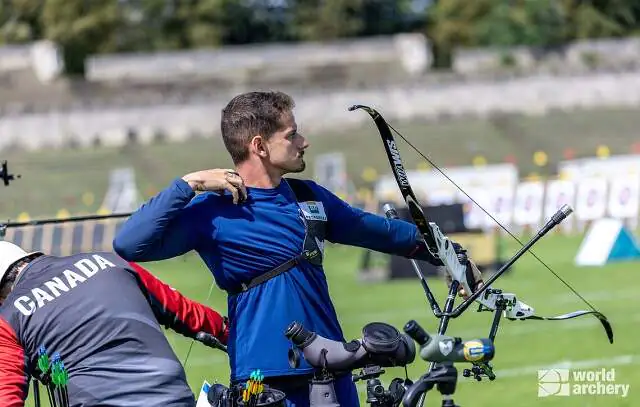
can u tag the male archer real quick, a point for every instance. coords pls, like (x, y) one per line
(104, 316)
(262, 237)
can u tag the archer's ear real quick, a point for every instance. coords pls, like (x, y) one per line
(258, 146)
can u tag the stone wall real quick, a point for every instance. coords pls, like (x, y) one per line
(117, 126)
(587, 75)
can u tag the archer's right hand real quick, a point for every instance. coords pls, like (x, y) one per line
(217, 180)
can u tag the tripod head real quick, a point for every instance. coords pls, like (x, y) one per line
(377, 395)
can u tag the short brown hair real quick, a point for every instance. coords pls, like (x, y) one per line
(250, 114)
(11, 275)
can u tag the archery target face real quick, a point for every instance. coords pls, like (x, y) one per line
(528, 203)
(624, 197)
(591, 200)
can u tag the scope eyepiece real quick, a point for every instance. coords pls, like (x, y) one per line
(415, 331)
(297, 334)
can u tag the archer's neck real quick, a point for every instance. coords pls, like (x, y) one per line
(258, 176)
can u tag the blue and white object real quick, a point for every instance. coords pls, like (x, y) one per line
(202, 397)
(607, 241)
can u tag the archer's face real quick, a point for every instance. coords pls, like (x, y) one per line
(286, 147)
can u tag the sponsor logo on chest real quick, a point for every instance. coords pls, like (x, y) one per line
(313, 210)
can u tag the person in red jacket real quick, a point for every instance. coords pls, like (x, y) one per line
(104, 317)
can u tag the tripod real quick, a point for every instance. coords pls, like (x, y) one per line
(322, 392)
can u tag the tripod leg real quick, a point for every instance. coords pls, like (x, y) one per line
(444, 320)
(448, 307)
(36, 393)
(496, 321)
(447, 401)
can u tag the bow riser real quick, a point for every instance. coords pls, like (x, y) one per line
(447, 254)
(458, 272)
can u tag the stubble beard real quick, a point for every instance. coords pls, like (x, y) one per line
(293, 168)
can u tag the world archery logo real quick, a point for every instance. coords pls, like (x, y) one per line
(553, 382)
(565, 382)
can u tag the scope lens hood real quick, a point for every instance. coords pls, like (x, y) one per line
(379, 337)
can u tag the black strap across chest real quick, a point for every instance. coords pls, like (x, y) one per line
(303, 193)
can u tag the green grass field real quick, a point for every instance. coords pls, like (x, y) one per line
(522, 347)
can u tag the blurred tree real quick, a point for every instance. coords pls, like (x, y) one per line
(544, 23)
(601, 18)
(451, 23)
(20, 21)
(143, 28)
(529, 22)
(317, 20)
(204, 21)
(82, 28)
(384, 17)
(179, 24)
(524, 22)
(257, 21)
(168, 23)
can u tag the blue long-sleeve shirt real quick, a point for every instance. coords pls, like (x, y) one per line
(240, 242)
